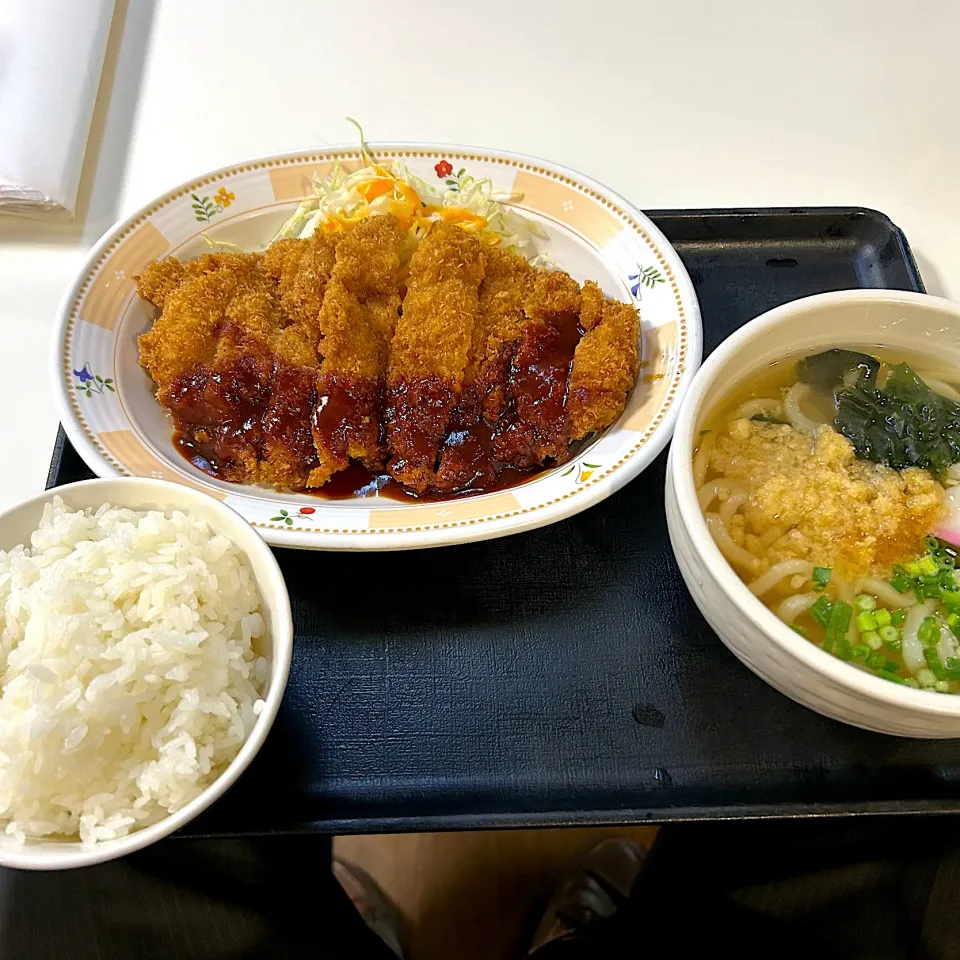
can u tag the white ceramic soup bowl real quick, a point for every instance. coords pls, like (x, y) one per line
(18, 523)
(915, 323)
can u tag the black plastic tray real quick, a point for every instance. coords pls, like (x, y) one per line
(564, 675)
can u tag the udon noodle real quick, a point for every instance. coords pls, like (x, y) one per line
(829, 484)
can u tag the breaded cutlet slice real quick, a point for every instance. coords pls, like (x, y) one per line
(357, 323)
(507, 283)
(605, 368)
(302, 269)
(214, 290)
(534, 426)
(430, 350)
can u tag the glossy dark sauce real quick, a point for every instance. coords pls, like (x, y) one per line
(226, 417)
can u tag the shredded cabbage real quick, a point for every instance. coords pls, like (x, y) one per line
(344, 198)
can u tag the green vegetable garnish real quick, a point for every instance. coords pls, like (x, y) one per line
(876, 661)
(929, 631)
(933, 662)
(821, 577)
(830, 368)
(882, 617)
(820, 611)
(872, 639)
(866, 622)
(903, 425)
(890, 635)
(898, 616)
(800, 630)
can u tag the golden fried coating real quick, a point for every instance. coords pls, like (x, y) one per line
(302, 269)
(605, 368)
(217, 290)
(591, 308)
(430, 350)
(434, 334)
(284, 366)
(159, 278)
(555, 296)
(357, 322)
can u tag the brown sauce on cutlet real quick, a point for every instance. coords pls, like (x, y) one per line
(286, 420)
(534, 425)
(217, 414)
(225, 416)
(346, 409)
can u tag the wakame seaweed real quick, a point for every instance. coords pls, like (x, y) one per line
(828, 369)
(905, 424)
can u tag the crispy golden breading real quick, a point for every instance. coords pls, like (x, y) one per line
(430, 349)
(159, 278)
(357, 323)
(302, 269)
(554, 297)
(591, 307)
(284, 366)
(605, 368)
(217, 290)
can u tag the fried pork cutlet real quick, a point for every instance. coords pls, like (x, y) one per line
(197, 307)
(507, 283)
(534, 425)
(240, 407)
(605, 368)
(357, 322)
(430, 350)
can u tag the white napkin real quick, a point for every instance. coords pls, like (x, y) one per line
(51, 57)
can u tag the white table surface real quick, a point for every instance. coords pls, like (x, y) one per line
(691, 103)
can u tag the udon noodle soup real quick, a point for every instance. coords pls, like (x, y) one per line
(829, 482)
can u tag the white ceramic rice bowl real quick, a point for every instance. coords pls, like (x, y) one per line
(18, 523)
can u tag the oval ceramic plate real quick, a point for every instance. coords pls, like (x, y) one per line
(113, 419)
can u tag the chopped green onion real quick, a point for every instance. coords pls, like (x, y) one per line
(820, 611)
(859, 651)
(865, 603)
(911, 682)
(928, 567)
(800, 630)
(892, 677)
(866, 622)
(929, 631)
(872, 639)
(883, 617)
(876, 661)
(912, 569)
(890, 634)
(829, 641)
(898, 616)
(926, 678)
(840, 614)
(951, 599)
(821, 577)
(900, 583)
(953, 668)
(941, 686)
(933, 662)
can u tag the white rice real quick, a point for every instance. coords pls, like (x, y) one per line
(127, 673)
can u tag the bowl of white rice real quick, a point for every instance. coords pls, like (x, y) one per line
(145, 643)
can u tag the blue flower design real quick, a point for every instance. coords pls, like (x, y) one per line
(88, 383)
(645, 277)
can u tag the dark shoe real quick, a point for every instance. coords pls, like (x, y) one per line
(590, 892)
